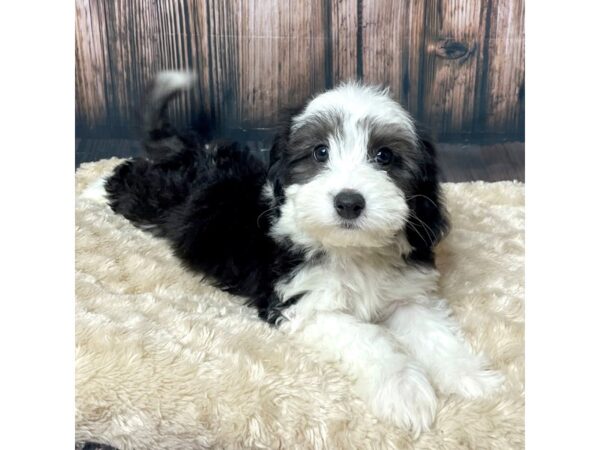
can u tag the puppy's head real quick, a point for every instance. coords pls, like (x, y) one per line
(351, 170)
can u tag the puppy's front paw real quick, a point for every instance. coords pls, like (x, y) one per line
(472, 384)
(407, 399)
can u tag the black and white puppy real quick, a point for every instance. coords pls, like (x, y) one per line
(332, 240)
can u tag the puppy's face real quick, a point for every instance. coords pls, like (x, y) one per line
(348, 168)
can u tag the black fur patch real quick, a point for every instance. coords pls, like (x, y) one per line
(207, 205)
(428, 222)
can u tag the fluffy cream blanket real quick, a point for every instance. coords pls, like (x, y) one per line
(164, 361)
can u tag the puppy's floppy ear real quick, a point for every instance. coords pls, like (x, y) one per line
(429, 220)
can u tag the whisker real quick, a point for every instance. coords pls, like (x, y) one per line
(430, 230)
(263, 213)
(412, 225)
(427, 228)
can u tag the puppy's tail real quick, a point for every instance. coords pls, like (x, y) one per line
(159, 137)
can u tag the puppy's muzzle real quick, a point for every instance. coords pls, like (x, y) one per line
(349, 204)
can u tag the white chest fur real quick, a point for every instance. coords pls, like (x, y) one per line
(366, 284)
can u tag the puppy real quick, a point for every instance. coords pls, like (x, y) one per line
(332, 240)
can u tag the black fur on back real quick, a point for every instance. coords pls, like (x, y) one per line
(206, 200)
(208, 204)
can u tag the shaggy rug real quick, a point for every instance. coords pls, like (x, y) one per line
(164, 361)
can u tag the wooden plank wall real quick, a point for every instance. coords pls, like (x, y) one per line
(457, 65)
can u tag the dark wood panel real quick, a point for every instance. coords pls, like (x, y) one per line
(133, 56)
(346, 38)
(457, 66)
(452, 56)
(490, 162)
(198, 58)
(282, 48)
(180, 43)
(504, 93)
(120, 45)
(223, 52)
(90, 63)
(393, 42)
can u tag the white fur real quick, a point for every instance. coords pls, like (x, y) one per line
(367, 283)
(362, 304)
(425, 327)
(170, 81)
(390, 381)
(348, 293)
(308, 215)
(358, 102)
(95, 192)
(268, 193)
(389, 330)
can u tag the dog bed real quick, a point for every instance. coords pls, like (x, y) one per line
(164, 361)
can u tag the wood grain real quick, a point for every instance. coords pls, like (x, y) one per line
(504, 96)
(129, 28)
(283, 46)
(223, 52)
(344, 40)
(457, 65)
(197, 57)
(449, 85)
(393, 36)
(90, 62)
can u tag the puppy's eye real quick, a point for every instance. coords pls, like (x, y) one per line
(384, 156)
(321, 153)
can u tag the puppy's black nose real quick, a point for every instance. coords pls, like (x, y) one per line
(349, 204)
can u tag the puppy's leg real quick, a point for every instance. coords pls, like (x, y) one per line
(392, 383)
(428, 330)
